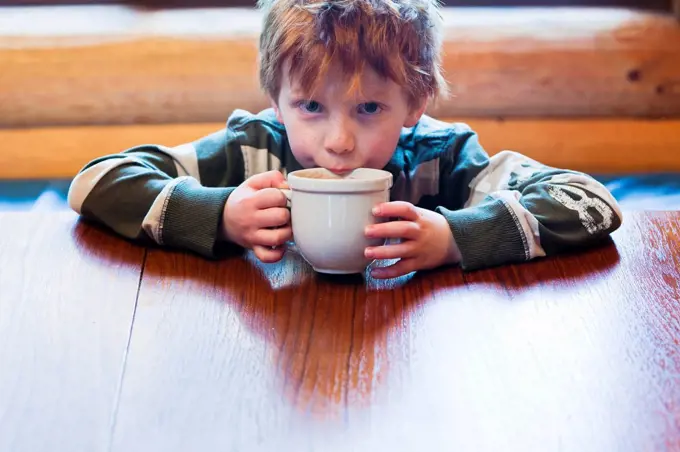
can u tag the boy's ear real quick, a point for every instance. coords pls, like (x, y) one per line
(416, 113)
(275, 107)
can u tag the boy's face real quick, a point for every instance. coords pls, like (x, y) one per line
(339, 131)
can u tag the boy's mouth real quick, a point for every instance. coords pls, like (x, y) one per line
(340, 171)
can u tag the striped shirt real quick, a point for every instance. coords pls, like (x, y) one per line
(502, 209)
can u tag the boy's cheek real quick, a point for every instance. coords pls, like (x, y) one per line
(302, 147)
(303, 157)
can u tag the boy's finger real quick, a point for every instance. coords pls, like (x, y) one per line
(273, 237)
(401, 209)
(397, 251)
(394, 230)
(270, 197)
(272, 217)
(267, 254)
(401, 268)
(269, 179)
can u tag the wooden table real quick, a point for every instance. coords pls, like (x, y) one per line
(107, 346)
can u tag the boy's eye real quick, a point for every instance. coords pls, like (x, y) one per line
(311, 106)
(369, 108)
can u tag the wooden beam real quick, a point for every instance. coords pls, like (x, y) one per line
(606, 146)
(118, 65)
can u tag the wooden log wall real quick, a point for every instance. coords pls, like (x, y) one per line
(574, 87)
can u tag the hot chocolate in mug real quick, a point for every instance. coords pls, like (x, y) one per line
(330, 212)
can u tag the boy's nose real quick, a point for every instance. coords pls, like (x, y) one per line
(339, 141)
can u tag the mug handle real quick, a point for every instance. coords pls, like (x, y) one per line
(288, 193)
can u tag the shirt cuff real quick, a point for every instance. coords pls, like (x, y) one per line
(192, 217)
(487, 235)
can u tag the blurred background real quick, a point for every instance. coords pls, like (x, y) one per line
(650, 4)
(590, 85)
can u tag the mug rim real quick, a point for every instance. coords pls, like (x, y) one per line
(381, 181)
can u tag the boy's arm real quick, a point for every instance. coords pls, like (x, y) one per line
(169, 196)
(176, 196)
(516, 209)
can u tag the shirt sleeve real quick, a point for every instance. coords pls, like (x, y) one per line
(175, 196)
(517, 209)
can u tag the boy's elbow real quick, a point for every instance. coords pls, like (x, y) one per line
(86, 180)
(77, 192)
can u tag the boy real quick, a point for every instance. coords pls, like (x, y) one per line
(349, 81)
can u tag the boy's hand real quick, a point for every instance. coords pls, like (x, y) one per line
(256, 216)
(427, 241)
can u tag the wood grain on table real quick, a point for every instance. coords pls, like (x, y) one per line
(579, 352)
(67, 297)
(576, 353)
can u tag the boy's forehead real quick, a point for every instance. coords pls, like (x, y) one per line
(342, 87)
(368, 82)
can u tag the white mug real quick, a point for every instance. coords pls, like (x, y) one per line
(329, 215)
